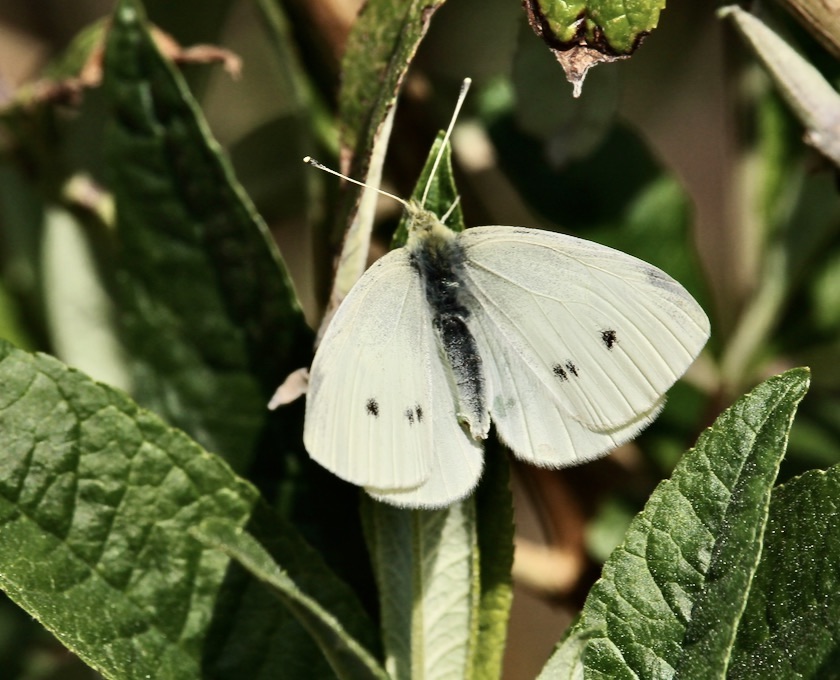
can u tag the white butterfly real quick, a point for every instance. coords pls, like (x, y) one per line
(566, 346)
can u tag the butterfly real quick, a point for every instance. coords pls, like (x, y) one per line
(565, 346)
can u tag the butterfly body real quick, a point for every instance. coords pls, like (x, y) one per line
(437, 257)
(566, 345)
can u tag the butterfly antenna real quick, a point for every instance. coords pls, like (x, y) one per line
(451, 210)
(462, 95)
(311, 161)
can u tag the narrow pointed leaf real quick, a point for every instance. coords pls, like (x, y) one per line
(671, 597)
(347, 656)
(211, 315)
(791, 625)
(814, 101)
(494, 517)
(442, 192)
(380, 49)
(427, 582)
(97, 497)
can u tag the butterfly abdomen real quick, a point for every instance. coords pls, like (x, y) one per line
(438, 260)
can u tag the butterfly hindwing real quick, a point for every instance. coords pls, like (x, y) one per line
(380, 409)
(603, 333)
(528, 419)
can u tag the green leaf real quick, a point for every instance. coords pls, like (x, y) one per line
(380, 48)
(442, 192)
(97, 496)
(584, 33)
(212, 320)
(614, 25)
(670, 598)
(347, 657)
(791, 625)
(97, 500)
(494, 517)
(427, 584)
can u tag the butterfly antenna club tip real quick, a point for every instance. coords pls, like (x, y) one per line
(462, 95)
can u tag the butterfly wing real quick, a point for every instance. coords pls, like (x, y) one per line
(575, 331)
(380, 411)
(529, 419)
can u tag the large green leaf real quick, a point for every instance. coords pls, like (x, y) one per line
(212, 320)
(347, 656)
(97, 497)
(671, 597)
(791, 625)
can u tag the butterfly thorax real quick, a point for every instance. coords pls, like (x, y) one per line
(424, 224)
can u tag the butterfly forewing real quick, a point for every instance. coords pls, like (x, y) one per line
(366, 399)
(604, 333)
(380, 411)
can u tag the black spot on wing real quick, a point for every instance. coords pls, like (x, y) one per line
(414, 415)
(372, 407)
(609, 338)
(563, 372)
